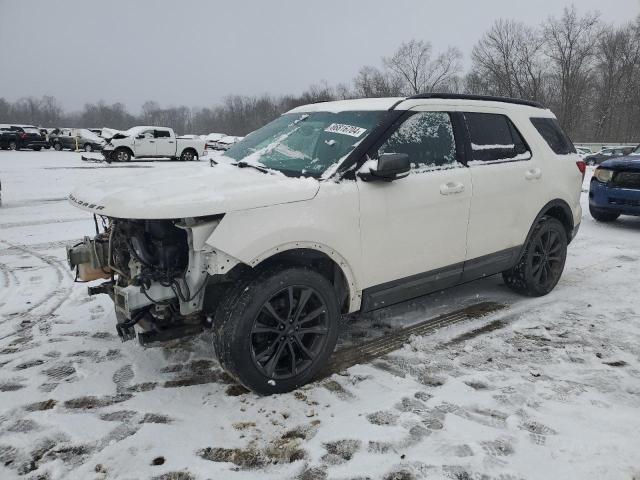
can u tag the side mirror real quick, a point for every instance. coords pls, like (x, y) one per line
(391, 166)
(140, 137)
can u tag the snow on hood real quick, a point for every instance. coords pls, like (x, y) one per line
(192, 193)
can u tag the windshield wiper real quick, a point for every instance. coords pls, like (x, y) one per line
(243, 164)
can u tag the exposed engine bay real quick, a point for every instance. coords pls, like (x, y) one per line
(156, 272)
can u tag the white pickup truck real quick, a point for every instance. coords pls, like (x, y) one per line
(151, 142)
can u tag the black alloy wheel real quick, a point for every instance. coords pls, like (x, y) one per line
(275, 329)
(541, 264)
(547, 261)
(289, 332)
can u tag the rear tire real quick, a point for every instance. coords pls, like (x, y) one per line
(274, 331)
(188, 155)
(88, 147)
(603, 215)
(13, 145)
(542, 262)
(57, 147)
(37, 149)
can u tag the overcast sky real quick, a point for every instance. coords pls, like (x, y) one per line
(195, 52)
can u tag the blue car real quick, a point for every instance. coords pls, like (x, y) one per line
(615, 188)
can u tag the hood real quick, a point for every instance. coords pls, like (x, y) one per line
(190, 192)
(628, 163)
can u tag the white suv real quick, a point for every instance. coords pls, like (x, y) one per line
(334, 208)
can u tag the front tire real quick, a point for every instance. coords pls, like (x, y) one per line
(57, 147)
(541, 264)
(88, 147)
(121, 155)
(603, 215)
(37, 149)
(275, 331)
(13, 145)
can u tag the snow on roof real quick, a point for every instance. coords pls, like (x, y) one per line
(348, 105)
(402, 103)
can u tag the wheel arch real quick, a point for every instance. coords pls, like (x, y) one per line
(321, 258)
(125, 147)
(561, 211)
(186, 149)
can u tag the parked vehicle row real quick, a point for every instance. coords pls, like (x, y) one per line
(221, 141)
(606, 154)
(15, 137)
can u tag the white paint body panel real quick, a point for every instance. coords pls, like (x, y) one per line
(221, 189)
(376, 232)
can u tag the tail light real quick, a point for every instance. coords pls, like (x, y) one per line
(582, 167)
(23, 135)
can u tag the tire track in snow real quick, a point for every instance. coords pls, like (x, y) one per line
(10, 281)
(52, 300)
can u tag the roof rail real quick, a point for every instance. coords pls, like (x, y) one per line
(486, 98)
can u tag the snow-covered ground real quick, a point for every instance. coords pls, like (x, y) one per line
(545, 388)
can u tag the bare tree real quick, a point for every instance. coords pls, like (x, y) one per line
(616, 78)
(372, 82)
(570, 44)
(413, 64)
(509, 61)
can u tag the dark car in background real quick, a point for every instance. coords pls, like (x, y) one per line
(607, 154)
(75, 139)
(9, 139)
(28, 136)
(615, 188)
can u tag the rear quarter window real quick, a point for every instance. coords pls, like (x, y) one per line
(550, 130)
(495, 138)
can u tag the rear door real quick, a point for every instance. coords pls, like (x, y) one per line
(506, 191)
(165, 143)
(414, 229)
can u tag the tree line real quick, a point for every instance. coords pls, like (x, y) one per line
(587, 71)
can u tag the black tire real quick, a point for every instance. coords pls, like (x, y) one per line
(88, 147)
(13, 145)
(188, 155)
(121, 155)
(542, 262)
(57, 146)
(37, 149)
(258, 330)
(603, 215)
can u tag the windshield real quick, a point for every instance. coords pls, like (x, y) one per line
(305, 144)
(636, 151)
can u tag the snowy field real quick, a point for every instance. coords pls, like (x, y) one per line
(545, 388)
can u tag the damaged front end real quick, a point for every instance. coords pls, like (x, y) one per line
(157, 272)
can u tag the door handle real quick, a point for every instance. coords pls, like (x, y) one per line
(533, 174)
(170, 141)
(451, 188)
(152, 141)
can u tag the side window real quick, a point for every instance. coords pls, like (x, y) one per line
(162, 133)
(495, 138)
(148, 134)
(550, 130)
(427, 137)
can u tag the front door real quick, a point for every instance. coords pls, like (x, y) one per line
(414, 229)
(145, 144)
